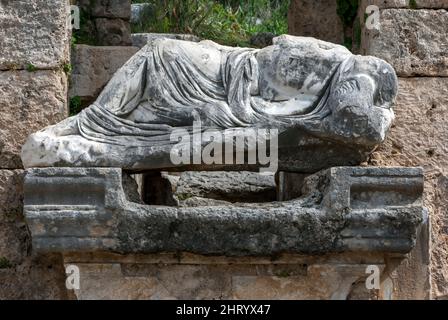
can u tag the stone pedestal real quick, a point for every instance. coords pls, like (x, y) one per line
(186, 276)
(320, 245)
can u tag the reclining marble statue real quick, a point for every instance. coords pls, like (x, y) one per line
(329, 107)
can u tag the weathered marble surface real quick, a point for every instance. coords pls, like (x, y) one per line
(141, 39)
(329, 107)
(342, 209)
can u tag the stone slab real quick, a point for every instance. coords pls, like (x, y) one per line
(406, 4)
(23, 275)
(113, 32)
(319, 19)
(93, 67)
(14, 243)
(420, 132)
(107, 8)
(200, 188)
(216, 282)
(227, 186)
(412, 41)
(343, 209)
(33, 32)
(29, 101)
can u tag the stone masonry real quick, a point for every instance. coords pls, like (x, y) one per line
(108, 22)
(412, 37)
(414, 42)
(33, 94)
(311, 18)
(93, 66)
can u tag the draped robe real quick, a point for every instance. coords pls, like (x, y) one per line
(172, 91)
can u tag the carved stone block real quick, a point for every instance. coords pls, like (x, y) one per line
(319, 19)
(93, 67)
(29, 101)
(113, 32)
(107, 8)
(342, 209)
(412, 41)
(33, 32)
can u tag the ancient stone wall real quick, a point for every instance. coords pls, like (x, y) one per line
(319, 19)
(413, 40)
(34, 60)
(412, 37)
(329, 20)
(104, 23)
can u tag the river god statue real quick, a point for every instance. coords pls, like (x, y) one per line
(326, 106)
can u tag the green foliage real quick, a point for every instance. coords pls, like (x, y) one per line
(229, 22)
(4, 263)
(184, 196)
(347, 10)
(357, 31)
(86, 34)
(283, 274)
(74, 41)
(67, 67)
(31, 67)
(75, 105)
(348, 42)
(413, 4)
